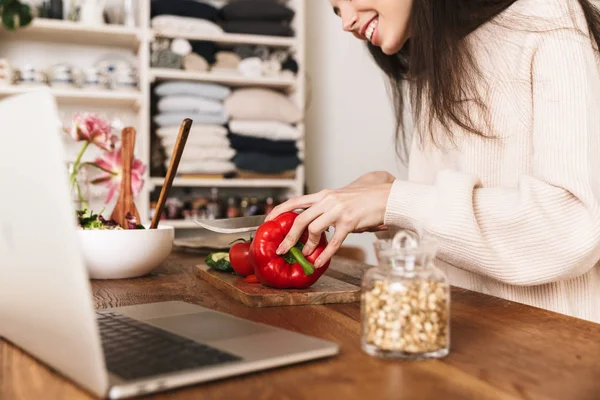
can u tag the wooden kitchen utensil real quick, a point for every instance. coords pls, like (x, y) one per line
(184, 131)
(125, 204)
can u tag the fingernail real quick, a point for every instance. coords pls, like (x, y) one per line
(280, 250)
(318, 263)
(306, 251)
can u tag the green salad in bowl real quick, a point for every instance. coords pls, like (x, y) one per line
(87, 220)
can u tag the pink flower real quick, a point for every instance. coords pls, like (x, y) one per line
(91, 128)
(112, 166)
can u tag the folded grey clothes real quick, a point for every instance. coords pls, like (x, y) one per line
(163, 57)
(266, 163)
(206, 90)
(175, 118)
(166, 59)
(189, 104)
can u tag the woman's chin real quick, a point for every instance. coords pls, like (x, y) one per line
(392, 48)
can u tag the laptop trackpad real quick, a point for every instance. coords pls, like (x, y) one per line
(208, 326)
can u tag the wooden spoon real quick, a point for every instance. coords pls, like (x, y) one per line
(184, 131)
(125, 204)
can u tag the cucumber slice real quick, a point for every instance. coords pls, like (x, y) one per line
(219, 261)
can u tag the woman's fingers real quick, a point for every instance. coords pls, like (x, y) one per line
(295, 203)
(379, 228)
(341, 232)
(316, 229)
(300, 224)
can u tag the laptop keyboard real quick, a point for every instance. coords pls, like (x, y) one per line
(135, 350)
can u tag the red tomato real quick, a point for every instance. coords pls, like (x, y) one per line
(239, 257)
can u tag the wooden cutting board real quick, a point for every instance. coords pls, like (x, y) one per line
(326, 290)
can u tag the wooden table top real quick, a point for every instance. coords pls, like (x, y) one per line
(499, 350)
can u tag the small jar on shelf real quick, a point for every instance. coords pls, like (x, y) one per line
(405, 303)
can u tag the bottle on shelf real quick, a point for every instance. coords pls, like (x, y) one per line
(244, 207)
(253, 207)
(269, 205)
(213, 208)
(233, 210)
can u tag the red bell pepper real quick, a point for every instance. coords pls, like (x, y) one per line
(288, 271)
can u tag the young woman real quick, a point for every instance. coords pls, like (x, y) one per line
(505, 153)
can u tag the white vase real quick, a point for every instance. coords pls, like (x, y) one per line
(92, 12)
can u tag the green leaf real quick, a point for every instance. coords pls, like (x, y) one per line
(15, 15)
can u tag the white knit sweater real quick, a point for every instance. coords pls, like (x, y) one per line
(518, 217)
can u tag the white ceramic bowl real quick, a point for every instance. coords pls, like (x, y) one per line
(129, 253)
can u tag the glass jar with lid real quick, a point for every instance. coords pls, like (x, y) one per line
(405, 304)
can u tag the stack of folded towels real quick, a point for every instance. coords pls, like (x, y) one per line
(207, 150)
(258, 17)
(263, 133)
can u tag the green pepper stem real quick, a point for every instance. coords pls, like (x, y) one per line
(308, 268)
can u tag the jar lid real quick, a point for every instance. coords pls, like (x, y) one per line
(406, 250)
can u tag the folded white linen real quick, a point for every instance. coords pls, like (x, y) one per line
(205, 167)
(272, 130)
(195, 153)
(183, 25)
(183, 103)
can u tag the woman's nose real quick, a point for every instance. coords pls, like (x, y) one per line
(349, 20)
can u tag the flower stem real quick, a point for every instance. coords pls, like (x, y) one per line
(113, 173)
(75, 172)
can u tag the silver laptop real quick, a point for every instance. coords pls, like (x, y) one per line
(45, 299)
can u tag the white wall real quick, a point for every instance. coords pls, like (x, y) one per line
(350, 123)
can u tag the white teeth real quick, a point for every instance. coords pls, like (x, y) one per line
(371, 29)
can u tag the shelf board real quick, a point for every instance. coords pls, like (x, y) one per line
(81, 96)
(227, 183)
(225, 79)
(230, 38)
(51, 30)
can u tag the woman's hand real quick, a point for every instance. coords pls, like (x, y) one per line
(357, 207)
(373, 178)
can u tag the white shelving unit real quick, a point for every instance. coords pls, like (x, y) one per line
(86, 97)
(81, 39)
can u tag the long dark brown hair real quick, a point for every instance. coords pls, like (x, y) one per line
(437, 66)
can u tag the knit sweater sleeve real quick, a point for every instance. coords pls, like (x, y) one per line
(547, 228)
